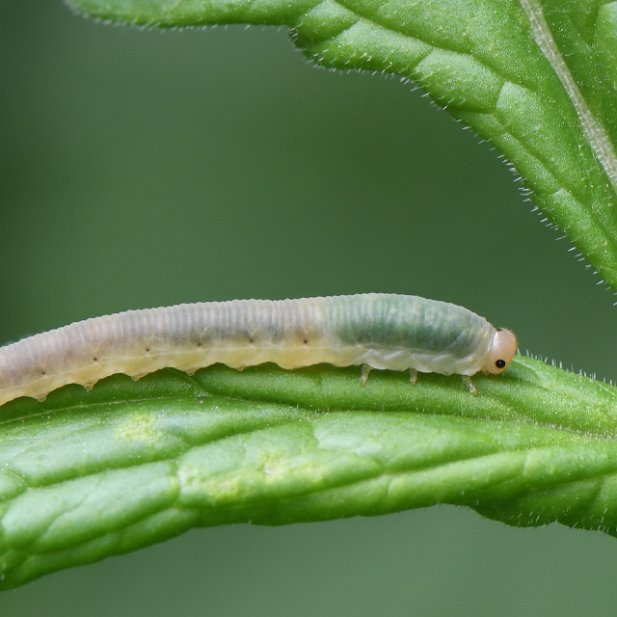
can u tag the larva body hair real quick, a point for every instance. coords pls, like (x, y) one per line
(382, 331)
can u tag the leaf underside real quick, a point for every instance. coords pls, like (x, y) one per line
(537, 78)
(87, 475)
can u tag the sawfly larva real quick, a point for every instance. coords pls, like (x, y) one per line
(375, 331)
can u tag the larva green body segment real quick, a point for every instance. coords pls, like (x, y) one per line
(383, 331)
(402, 332)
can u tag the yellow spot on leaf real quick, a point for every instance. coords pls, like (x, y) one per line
(139, 427)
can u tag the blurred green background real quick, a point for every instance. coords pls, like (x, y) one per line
(142, 168)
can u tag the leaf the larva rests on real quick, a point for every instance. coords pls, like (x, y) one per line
(537, 78)
(87, 475)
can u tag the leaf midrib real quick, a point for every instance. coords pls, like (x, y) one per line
(595, 133)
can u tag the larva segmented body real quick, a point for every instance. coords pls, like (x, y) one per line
(382, 331)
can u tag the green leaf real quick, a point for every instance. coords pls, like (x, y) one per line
(535, 77)
(87, 475)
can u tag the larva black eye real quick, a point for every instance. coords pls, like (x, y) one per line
(500, 363)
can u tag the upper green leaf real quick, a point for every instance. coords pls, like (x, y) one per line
(536, 78)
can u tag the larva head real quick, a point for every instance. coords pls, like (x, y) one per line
(503, 348)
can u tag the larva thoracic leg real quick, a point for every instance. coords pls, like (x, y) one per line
(379, 331)
(470, 385)
(365, 372)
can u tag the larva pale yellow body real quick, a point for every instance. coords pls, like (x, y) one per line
(383, 331)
